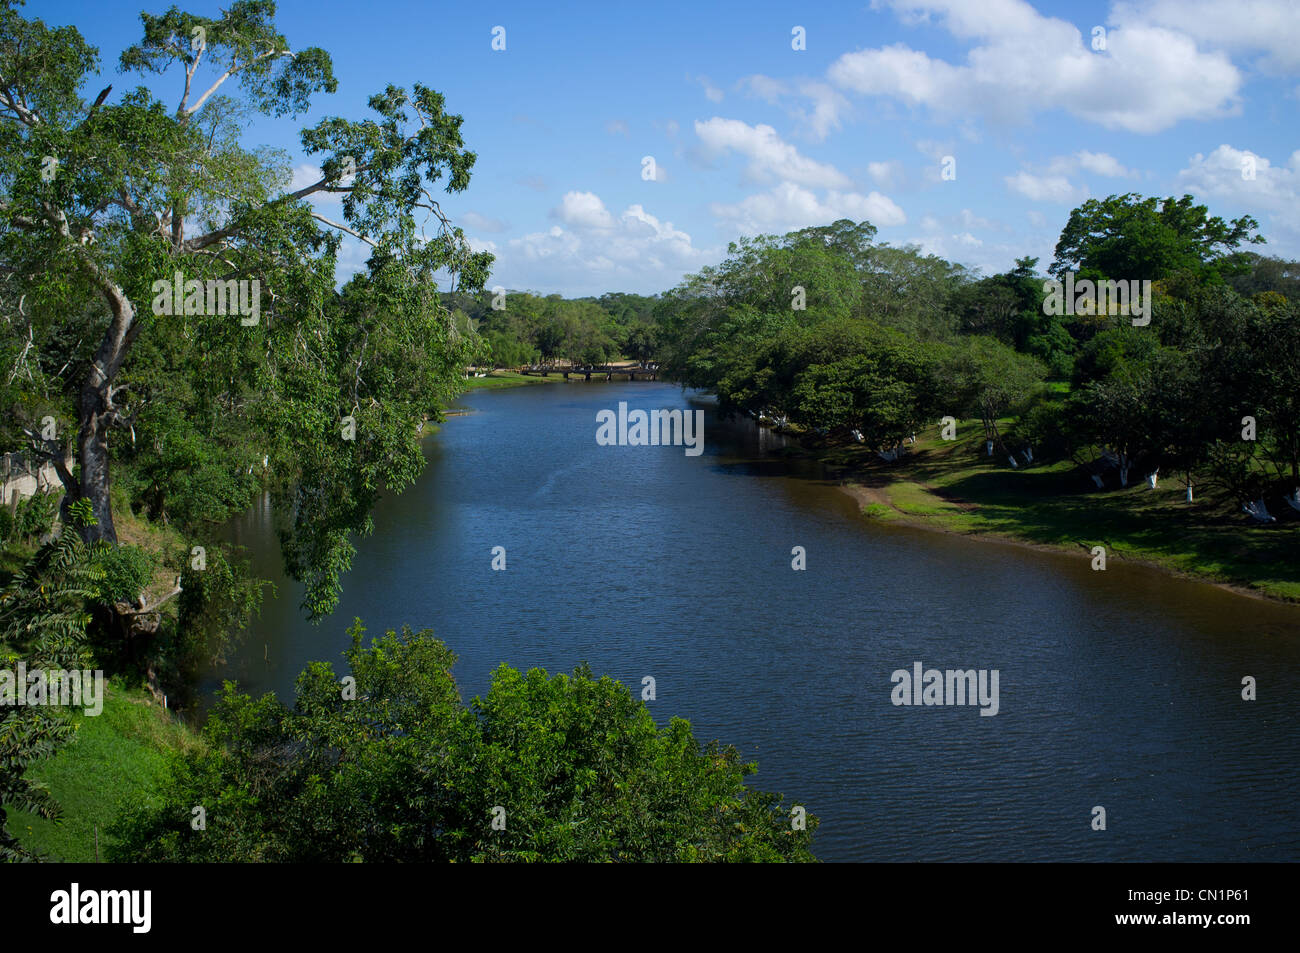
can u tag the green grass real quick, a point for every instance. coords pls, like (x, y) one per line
(117, 757)
(498, 379)
(952, 486)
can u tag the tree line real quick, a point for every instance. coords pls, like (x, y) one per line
(514, 328)
(855, 340)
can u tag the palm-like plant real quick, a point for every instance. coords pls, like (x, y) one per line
(43, 617)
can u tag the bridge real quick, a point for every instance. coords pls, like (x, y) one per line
(628, 369)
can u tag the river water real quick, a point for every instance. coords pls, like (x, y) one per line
(1119, 689)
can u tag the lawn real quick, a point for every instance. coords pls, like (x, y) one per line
(497, 379)
(951, 485)
(117, 757)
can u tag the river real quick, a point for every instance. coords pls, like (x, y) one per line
(1119, 689)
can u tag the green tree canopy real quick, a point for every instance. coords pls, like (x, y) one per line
(570, 767)
(1129, 237)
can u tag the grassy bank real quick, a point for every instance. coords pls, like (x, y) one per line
(953, 487)
(499, 379)
(117, 757)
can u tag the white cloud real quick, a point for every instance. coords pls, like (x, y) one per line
(823, 112)
(770, 156)
(1274, 190)
(826, 112)
(583, 210)
(970, 220)
(1098, 163)
(887, 175)
(1103, 164)
(1271, 27)
(616, 127)
(1045, 188)
(635, 251)
(1148, 78)
(788, 206)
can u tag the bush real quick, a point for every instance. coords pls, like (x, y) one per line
(33, 518)
(127, 571)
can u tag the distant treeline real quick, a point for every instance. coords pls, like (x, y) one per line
(526, 328)
(858, 340)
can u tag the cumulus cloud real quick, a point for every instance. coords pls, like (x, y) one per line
(1053, 183)
(789, 206)
(1274, 190)
(635, 251)
(583, 210)
(616, 127)
(769, 155)
(1102, 164)
(1268, 27)
(1021, 63)
(1045, 188)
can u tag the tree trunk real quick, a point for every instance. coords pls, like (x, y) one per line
(96, 414)
(92, 454)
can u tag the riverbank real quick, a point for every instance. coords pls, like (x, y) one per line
(116, 758)
(499, 379)
(953, 487)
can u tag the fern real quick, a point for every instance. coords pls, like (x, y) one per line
(43, 619)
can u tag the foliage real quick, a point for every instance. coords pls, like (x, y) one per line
(405, 772)
(207, 409)
(126, 570)
(42, 623)
(1129, 237)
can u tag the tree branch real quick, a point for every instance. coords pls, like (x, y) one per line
(344, 228)
(229, 73)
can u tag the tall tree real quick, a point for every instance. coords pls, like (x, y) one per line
(1129, 237)
(101, 201)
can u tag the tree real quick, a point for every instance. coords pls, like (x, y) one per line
(993, 380)
(569, 767)
(885, 387)
(641, 343)
(1128, 237)
(132, 177)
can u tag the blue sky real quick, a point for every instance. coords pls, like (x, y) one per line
(750, 135)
